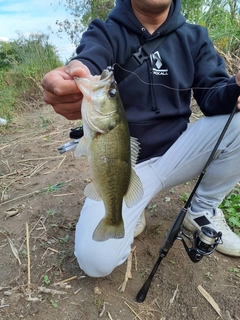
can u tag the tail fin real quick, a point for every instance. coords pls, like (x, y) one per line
(104, 231)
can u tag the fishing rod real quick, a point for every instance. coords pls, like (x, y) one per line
(203, 242)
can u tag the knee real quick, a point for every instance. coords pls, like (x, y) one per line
(95, 260)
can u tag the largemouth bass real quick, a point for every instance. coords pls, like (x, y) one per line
(110, 151)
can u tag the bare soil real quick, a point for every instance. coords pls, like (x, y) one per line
(41, 197)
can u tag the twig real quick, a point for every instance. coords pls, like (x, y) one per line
(57, 167)
(207, 296)
(75, 292)
(69, 279)
(63, 194)
(52, 291)
(32, 193)
(2, 197)
(6, 146)
(37, 169)
(11, 213)
(135, 258)
(109, 316)
(53, 250)
(29, 233)
(23, 196)
(103, 309)
(174, 295)
(9, 174)
(128, 274)
(14, 250)
(37, 159)
(28, 255)
(6, 163)
(132, 310)
(228, 315)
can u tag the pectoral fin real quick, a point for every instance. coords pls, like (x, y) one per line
(135, 148)
(135, 190)
(91, 192)
(81, 149)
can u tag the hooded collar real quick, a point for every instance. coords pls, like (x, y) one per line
(124, 15)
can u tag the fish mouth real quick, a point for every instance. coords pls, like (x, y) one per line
(106, 75)
(94, 83)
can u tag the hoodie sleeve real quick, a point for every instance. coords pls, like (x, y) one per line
(95, 49)
(214, 90)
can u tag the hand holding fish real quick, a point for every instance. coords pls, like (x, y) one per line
(61, 91)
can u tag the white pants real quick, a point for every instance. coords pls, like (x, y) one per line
(182, 162)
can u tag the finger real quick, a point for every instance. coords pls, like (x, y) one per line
(238, 102)
(59, 83)
(52, 98)
(69, 111)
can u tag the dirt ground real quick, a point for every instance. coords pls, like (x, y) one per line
(41, 196)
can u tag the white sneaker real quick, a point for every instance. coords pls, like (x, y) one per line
(141, 224)
(231, 241)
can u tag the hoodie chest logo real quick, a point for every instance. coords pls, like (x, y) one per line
(157, 65)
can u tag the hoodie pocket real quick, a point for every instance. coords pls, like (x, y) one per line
(156, 136)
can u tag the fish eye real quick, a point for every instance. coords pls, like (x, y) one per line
(112, 93)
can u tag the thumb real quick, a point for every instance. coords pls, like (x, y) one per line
(76, 68)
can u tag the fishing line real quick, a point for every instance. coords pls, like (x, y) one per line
(172, 88)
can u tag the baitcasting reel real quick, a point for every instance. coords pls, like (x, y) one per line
(203, 243)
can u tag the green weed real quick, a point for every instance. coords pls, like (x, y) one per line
(231, 208)
(184, 197)
(236, 271)
(45, 121)
(152, 208)
(55, 187)
(46, 279)
(209, 275)
(54, 303)
(64, 239)
(50, 212)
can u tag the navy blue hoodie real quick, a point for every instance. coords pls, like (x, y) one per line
(157, 100)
